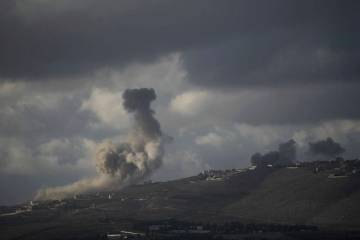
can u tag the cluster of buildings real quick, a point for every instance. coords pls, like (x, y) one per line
(219, 175)
(338, 168)
(172, 229)
(78, 201)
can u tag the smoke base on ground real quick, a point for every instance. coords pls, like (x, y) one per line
(285, 154)
(125, 163)
(324, 149)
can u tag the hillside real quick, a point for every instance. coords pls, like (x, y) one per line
(263, 195)
(300, 196)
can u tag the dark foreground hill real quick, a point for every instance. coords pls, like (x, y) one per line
(263, 195)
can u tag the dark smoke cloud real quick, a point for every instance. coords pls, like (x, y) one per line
(138, 101)
(143, 151)
(326, 148)
(124, 163)
(285, 155)
(287, 151)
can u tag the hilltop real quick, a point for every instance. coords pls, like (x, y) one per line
(324, 194)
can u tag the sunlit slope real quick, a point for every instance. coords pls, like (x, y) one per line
(300, 196)
(192, 198)
(295, 196)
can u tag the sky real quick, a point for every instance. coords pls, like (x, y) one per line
(231, 77)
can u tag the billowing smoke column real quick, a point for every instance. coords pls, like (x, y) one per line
(125, 163)
(142, 153)
(285, 155)
(326, 148)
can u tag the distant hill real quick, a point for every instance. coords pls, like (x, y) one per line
(300, 196)
(263, 195)
(277, 195)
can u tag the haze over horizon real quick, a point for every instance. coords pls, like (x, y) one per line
(232, 78)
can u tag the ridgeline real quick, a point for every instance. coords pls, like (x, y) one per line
(322, 194)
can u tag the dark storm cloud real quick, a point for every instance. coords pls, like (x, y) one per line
(276, 59)
(41, 39)
(299, 43)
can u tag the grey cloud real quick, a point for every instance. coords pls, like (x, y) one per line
(275, 59)
(27, 120)
(41, 40)
(302, 105)
(300, 43)
(274, 106)
(56, 156)
(65, 151)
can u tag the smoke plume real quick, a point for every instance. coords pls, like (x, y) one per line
(124, 163)
(326, 148)
(285, 155)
